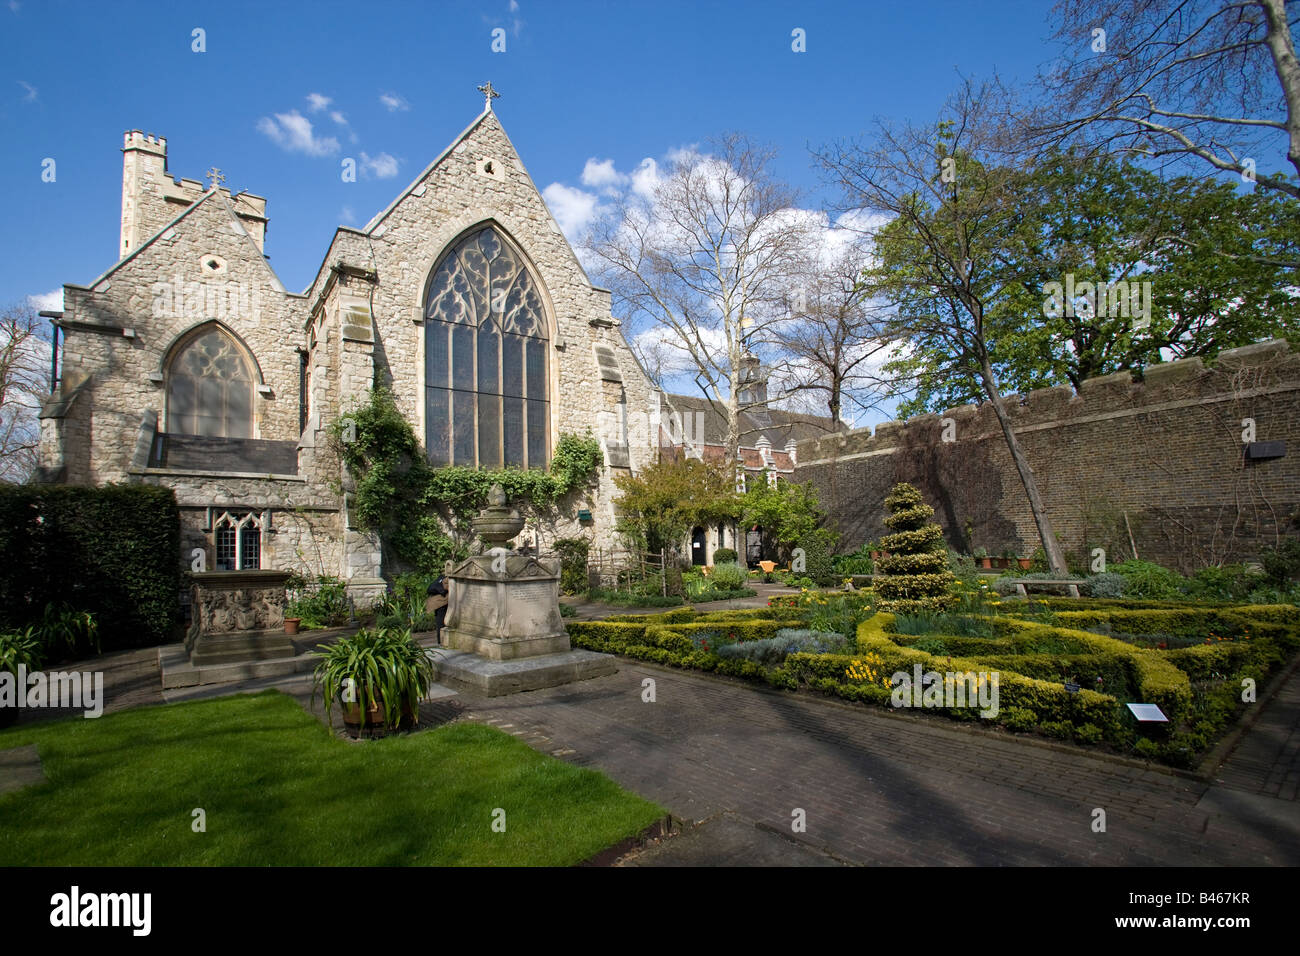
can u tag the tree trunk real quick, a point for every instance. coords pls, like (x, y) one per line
(1052, 547)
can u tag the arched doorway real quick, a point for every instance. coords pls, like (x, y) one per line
(697, 546)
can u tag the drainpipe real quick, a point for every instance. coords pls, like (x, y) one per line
(54, 318)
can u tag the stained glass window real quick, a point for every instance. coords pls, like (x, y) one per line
(487, 400)
(210, 389)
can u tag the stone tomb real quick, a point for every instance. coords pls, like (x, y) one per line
(237, 616)
(507, 613)
(504, 630)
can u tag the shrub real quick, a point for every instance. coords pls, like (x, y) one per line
(1144, 579)
(113, 552)
(1104, 585)
(1231, 582)
(787, 641)
(724, 556)
(1281, 564)
(729, 576)
(818, 563)
(859, 562)
(1005, 587)
(404, 608)
(323, 603)
(573, 564)
(916, 572)
(958, 625)
(1060, 729)
(1019, 719)
(19, 648)
(1088, 734)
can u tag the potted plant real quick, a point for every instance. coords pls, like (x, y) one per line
(378, 676)
(981, 556)
(17, 649)
(1025, 563)
(292, 624)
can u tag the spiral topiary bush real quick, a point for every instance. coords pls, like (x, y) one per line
(916, 572)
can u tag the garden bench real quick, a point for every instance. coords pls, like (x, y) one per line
(1072, 584)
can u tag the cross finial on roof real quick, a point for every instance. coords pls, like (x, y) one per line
(214, 177)
(488, 93)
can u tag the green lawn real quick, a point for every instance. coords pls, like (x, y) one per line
(278, 789)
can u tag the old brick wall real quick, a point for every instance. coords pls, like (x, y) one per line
(1167, 453)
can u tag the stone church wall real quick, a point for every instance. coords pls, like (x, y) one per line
(1168, 454)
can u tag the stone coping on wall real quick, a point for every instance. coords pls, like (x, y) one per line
(186, 473)
(1166, 386)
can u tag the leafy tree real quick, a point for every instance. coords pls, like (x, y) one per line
(950, 258)
(1217, 262)
(659, 505)
(789, 515)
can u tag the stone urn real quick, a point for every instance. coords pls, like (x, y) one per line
(498, 522)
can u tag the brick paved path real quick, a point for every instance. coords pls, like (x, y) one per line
(878, 788)
(1267, 758)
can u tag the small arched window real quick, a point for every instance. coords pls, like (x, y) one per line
(210, 388)
(487, 402)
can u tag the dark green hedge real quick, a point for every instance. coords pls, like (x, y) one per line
(113, 551)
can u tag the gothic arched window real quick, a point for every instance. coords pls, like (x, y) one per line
(210, 388)
(238, 541)
(487, 403)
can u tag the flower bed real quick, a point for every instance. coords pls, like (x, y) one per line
(1197, 685)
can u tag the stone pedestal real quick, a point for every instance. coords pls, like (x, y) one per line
(504, 630)
(505, 606)
(237, 616)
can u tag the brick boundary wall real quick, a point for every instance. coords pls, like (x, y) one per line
(1167, 453)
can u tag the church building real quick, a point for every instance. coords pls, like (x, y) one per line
(188, 364)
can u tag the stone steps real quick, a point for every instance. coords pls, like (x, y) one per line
(178, 670)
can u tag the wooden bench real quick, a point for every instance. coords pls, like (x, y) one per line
(1072, 584)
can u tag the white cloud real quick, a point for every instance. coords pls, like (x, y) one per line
(382, 166)
(516, 22)
(293, 133)
(393, 102)
(601, 174)
(348, 216)
(15, 6)
(317, 102)
(572, 208)
(338, 117)
(29, 91)
(47, 301)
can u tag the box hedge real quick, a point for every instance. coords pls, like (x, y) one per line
(113, 551)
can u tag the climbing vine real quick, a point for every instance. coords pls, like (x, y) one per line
(411, 504)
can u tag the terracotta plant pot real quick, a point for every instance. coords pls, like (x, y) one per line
(291, 625)
(986, 563)
(1025, 563)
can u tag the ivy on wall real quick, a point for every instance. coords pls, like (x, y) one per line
(411, 504)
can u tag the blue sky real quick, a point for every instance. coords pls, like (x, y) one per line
(283, 92)
(579, 81)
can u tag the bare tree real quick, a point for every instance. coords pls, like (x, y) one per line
(826, 351)
(1212, 80)
(24, 358)
(705, 261)
(948, 255)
